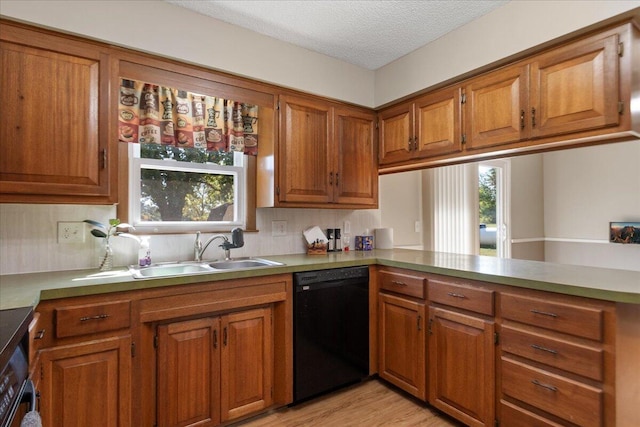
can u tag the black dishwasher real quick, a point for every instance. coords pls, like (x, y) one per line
(331, 330)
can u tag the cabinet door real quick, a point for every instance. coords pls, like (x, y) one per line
(356, 170)
(247, 363)
(87, 384)
(496, 106)
(438, 123)
(402, 344)
(461, 366)
(304, 157)
(575, 88)
(54, 133)
(396, 133)
(188, 369)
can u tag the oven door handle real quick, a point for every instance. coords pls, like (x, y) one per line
(29, 395)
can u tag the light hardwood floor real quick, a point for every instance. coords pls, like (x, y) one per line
(371, 403)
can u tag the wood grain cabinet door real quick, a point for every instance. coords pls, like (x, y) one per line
(87, 384)
(496, 108)
(355, 171)
(246, 363)
(575, 88)
(462, 366)
(304, 156)
(396, 134)
(54, 111)
(438, 123)
(188, 369)
(402, 345)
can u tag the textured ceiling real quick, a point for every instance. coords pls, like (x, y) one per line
(369, 33)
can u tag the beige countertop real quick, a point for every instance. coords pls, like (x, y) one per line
(20, 290)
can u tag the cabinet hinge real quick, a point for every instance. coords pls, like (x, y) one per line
(133, 349)
(496, 338)
(429, 328)
(278, 106)
(277, 191)
(496, 423)
(464, 138)
(620, 49)
(463, 98)
(620, 107)
(155, 341)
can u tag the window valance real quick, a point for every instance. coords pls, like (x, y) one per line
(152, 114)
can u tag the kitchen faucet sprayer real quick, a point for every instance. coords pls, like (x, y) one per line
(237, 241)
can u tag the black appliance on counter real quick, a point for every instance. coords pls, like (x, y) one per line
(331, 330)
(16, 388)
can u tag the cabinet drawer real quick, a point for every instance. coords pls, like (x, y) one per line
(406, 284)
(579, 359)
(92, 318)
(565, 398)
(514, 416)
(465, 297)
(562, 317)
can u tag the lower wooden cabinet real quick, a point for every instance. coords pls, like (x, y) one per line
(402, 346)
(461, 366)
(87, 384)
(214, 369)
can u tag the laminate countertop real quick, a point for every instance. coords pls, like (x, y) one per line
(623, 286)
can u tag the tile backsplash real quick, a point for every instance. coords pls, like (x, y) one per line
(28, 236)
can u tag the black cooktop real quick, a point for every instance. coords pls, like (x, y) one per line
(14, 324)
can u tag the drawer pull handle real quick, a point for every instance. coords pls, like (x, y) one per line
(453, 294)
(548, 350)
(98, 317)
(39, 335)
(547, 386)
(544, 313)
(395, 282)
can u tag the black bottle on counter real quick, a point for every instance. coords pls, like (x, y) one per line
(331, 243)
(337, 245)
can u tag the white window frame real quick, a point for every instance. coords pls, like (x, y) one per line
(238, 171)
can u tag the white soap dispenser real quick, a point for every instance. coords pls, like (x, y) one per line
(144, 253)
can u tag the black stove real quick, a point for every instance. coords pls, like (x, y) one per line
(14, 362)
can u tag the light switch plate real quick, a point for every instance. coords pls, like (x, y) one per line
(71, 232)
(278, 228)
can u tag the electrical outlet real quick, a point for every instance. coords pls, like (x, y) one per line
(71, 232)
(278, 228)
(417, 226)
(346, 228)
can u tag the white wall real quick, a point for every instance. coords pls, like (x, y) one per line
(168, 30)
(584, 190)
(28, 236)
(401, 206)
(510, 29)
(527, 207)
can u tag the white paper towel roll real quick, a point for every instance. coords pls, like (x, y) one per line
(384, 238)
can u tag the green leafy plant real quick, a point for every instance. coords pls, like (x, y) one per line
(105, 232)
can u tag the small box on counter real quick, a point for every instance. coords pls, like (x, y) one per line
(317, 248)
(364, 243)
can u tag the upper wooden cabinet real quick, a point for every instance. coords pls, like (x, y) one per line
(326, 155)
(576, 88)
(55, 119)
(496, 108)
(575, 93)
(428, 127)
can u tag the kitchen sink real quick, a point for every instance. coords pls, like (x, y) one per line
(190, 268)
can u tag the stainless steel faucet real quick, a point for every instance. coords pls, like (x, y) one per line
(237, 242)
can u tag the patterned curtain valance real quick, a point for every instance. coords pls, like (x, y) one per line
(152, 114)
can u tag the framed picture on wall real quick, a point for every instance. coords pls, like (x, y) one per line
(624, 232)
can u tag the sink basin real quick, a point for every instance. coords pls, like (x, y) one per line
(234, 264)
(189, 268)
(163, 270)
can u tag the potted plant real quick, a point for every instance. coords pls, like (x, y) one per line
(102, 231)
